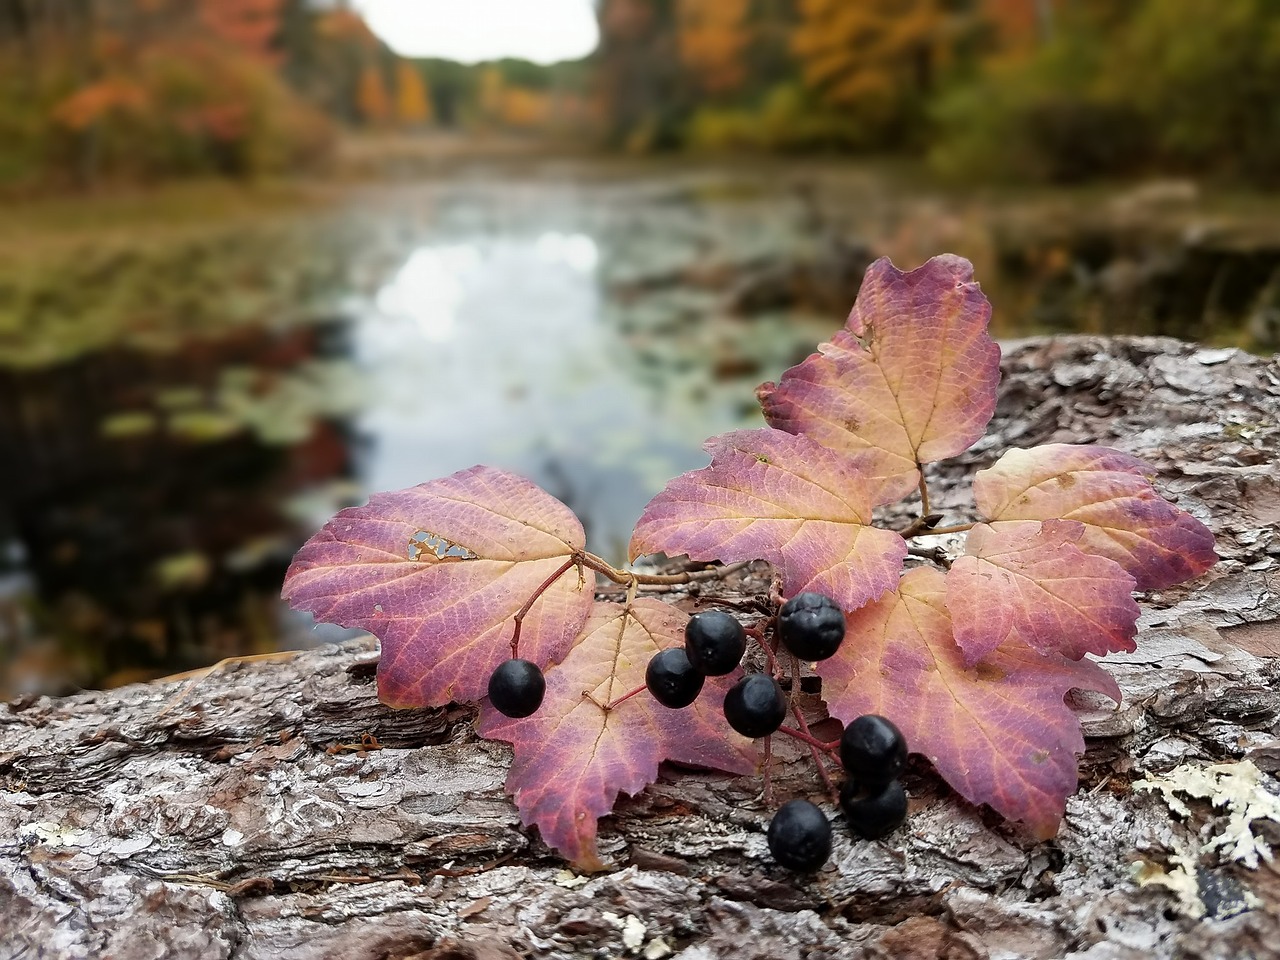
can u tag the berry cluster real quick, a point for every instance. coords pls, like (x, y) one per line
(874, 754)
(714, 643)
(811, 627)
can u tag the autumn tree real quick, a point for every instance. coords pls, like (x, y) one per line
(372, 98)
(876, 59)
(640, 78)
(713, 36)
(413, 105)
(251, 25)
(1017, 26)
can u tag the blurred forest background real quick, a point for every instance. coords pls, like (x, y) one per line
(1040, 90)
(254, 265)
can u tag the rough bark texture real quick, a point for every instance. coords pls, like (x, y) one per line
(240, 817)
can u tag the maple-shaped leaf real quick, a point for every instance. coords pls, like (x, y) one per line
(438, 571)
(784, 498)
(999, 731)
(1110, 493)
(1029, 580)
(911, 378)
(573, 758)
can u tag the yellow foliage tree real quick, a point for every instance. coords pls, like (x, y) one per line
(413, 106)
(492, 93)
(371, 98)
(712, 37)
(870, 56)
(525, 109)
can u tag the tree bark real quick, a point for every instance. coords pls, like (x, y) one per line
(277, 810)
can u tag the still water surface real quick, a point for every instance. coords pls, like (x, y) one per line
(216, 398)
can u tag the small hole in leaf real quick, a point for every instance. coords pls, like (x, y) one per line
(428, 546)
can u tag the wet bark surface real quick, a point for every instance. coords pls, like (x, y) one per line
(277, 810)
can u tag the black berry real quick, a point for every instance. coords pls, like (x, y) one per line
(873, 751)
(874, 814)
(811, 626)
(672, 679)
(800, 836)
(715, 642)
(756, 706)
(516, 688)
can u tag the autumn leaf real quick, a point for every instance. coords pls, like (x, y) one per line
(999, 732)
(1110, 493)
(784, 498)
(437, 573)
(1028, 580)
(911, 378)
(573, 758)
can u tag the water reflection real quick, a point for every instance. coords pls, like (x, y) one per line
(576, 250)
(493, 350)
(428, 289)
(145, 515)
(169, 468)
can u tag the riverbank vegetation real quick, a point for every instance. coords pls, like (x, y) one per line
(1039, 90)
(1036, 91)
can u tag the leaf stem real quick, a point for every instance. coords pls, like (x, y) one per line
(768, 763)
(626, 696)
(528, 604)
(924, 493)
(814, 746)
(939, 531)
(920, 526)
(626, 577)
(756, 634)
(804, 736)
(933, 554)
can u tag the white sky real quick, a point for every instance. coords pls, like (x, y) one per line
(470, 30)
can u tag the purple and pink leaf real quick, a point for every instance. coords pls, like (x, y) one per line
(1109, 492)
(998, 731)
(784, 498)
(1028, 580)
(574, 757)
(438, 571)
(910, 379)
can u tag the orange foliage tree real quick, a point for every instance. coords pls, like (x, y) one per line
(873, 58)
(157, 88)
(713, 36)
(372, 97)
(251, 25)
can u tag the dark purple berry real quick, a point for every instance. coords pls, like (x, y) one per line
(516, 688)
(876, 813)
(873, 751)
(715, 642)
(800, 836)
(672, 679)
(756, 706)
(811, 626)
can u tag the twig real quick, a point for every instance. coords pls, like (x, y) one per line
(627, 577)
(528, 604)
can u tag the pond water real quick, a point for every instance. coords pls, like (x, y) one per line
(179, 411)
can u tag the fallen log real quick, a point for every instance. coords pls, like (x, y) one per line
(277, 810)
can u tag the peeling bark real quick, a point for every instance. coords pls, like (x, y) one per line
(278, 811)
